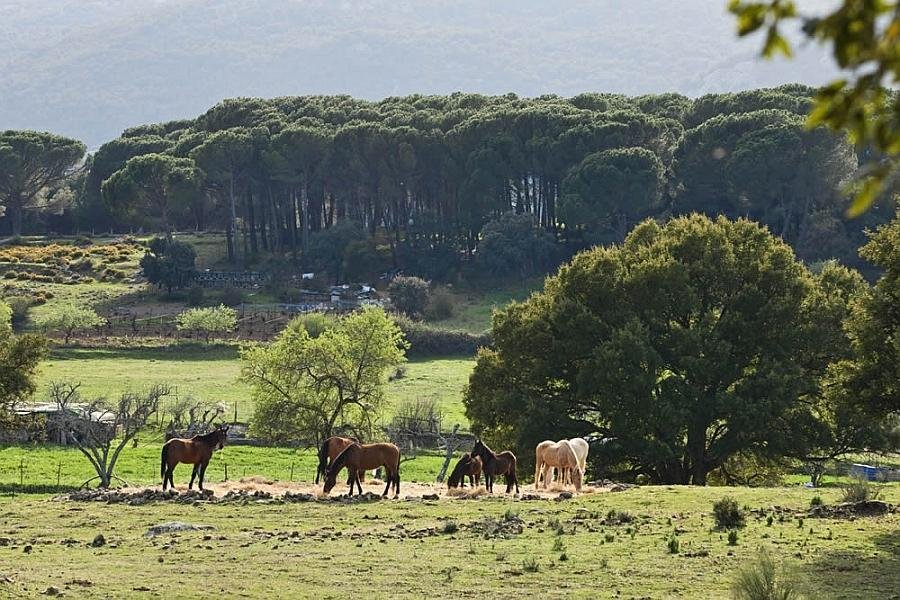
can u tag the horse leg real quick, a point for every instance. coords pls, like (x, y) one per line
(193, 475)
(357, 478)
(203, 473)
(169, 476)
(390, 480)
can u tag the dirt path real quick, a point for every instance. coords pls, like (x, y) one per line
(375, 486)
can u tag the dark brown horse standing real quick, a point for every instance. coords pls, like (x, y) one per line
(467, 465)
(362, 457)
(330, 450)
(196, 451)
(495, 464)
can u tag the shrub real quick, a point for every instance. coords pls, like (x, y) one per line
(531, 566)
(816, 501)
(19, 306)
(727, 513)
(232, 296)
(409, 295)
(10, 275)
(208, 321)
(428, 341)
(769, 520)
(195, 295)
(314, 323)
(441, 305)
(450, 527)
(732, 537)
(673, 545)
(71, 318)
(859, 490)
(758, 581)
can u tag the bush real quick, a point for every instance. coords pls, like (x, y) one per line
(728, 514)
(409, 295)
(758, 581)
(816, 501)
(195, 295)
(232, 296)
(732, 537)
(208, 321)
(441, 305)
(859, 490)
(428, 341)
(10, 275)
(19, 306)
(674, 545)
(450, 527)
(314, 323)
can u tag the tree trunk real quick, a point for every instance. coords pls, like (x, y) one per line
(232, 226)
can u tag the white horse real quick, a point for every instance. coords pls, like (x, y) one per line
(561, 456)
(580, 447)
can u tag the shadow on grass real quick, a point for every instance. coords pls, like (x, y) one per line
(192, 351)
(11, 489)
(847, 574)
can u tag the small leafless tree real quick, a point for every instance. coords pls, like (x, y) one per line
(101, 429)
(190, 416)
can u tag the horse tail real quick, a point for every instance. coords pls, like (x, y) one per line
(323, 459)
(164, 460)
(397, 474)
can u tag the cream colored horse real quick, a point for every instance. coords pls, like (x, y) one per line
(559, 456)
(580, 447)
(539, 462)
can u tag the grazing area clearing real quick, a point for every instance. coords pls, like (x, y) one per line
(211, 372)
(474, 307)
(605, 545)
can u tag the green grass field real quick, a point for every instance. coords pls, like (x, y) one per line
(32, 467)
(211, 372)
(495, 548)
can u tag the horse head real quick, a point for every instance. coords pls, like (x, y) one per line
(330, 480)
(222, 435)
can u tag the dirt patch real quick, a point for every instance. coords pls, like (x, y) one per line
(851, 510)
(259, 489)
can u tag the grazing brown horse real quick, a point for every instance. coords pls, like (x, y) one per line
(362, 457)
(495, 464)
(329, 450)
(467, 465)
(196, 451)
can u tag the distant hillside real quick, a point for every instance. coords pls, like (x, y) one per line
(90, 68)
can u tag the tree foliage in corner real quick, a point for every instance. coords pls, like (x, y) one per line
(684, 346)
(308, 388)
(169, 263)
(19, 359)
(865, 39)
(869, 380)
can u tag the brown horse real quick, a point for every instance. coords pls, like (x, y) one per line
(467, 465)
(196, 451)
(329, 450)
(495, 464)
(362, 457)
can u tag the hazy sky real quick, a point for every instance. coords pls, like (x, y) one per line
(90, 68)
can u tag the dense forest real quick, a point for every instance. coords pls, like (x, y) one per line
(430, 184)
